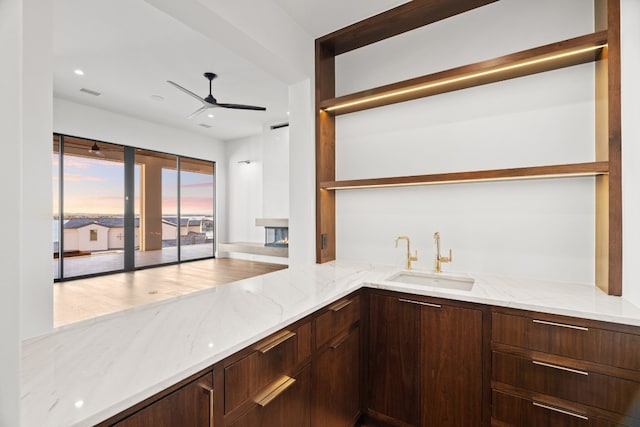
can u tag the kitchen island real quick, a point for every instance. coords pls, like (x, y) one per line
(84, 373)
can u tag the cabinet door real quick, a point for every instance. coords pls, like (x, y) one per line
(394, 357)
(189, 406)
(336, 373)
(289, 405)
(451, 366)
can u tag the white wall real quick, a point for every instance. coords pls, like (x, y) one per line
(275, 173)
(630, 38)
(75, 119)
(244, 189)
(302, 181)
(26, 307)
(541, 228)
(11, 21)
(259, 189)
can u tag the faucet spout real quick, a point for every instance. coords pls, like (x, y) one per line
(439, 258)
(409, 258)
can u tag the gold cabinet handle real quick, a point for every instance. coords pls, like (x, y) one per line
(426, 304)
(274, 390)
(340, 305)
(562, 411)
(208, 389)
(337, 343)
(562, 325)
(562, 368)
(275, 341)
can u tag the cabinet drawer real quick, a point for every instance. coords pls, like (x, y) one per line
(509, 410)
(566, 382)
(338, 317)
(272, 358)
(191, 405)
(608, 347)
(287, 403)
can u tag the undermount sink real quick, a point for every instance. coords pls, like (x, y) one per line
(436, 280)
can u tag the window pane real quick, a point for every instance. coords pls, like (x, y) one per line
(93, 207)
(156, 208)
(196, 209)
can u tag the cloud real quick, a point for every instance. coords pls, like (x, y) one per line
(70, 177)
(76, 162)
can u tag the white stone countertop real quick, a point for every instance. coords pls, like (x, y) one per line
(85, 372)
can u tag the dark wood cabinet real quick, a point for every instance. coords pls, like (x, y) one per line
(425, 362)
(451, 355)
(394, 359)
(556, 367)
(336, 372)
(189, 406)
(336, 365)
(409, 360)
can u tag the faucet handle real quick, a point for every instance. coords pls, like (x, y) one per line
(415, 257)
(447, 258)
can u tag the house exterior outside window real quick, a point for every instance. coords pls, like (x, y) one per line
(93, 235)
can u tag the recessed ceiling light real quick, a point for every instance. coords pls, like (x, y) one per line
(157, 97)
(210, 116)
(78, 72)
(287, 113)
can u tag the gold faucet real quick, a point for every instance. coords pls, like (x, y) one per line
(440, 259)
(409, 257)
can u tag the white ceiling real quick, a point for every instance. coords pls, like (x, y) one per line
(128, 50)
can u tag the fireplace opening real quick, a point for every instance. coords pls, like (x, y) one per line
(276, 236)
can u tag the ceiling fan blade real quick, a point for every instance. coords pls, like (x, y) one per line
(242, 107)
(198, 111)
(188, 92)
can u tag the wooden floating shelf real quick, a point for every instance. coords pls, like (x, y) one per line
(566, 53)
(534, 172)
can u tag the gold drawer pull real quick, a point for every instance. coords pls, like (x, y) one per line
(208, 389)
(337, 343)
(562, 325)
(426, 304)
(275, 390)
(562, 368)
(562, 411)
(275, 341)
(340, 305)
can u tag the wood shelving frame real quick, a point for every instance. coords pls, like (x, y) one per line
(601, 47)
(534, 172)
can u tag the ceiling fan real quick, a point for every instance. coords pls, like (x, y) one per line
(210, 101)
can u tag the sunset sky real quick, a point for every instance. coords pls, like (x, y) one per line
(96, 186)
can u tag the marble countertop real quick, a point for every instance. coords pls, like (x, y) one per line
(83, 373)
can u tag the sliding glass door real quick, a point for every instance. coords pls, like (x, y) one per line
(196, 209)
(92, 188)
(171, 218)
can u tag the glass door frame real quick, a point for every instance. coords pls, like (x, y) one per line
(129, 210)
